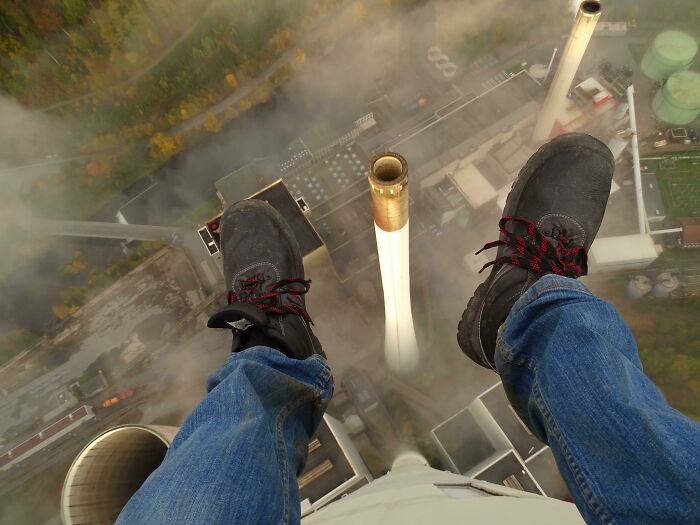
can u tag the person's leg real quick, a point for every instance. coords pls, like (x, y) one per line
(570, 367)
(237, 456)
(568, 362)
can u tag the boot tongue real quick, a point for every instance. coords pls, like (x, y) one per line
(559, 226)
(264, 275)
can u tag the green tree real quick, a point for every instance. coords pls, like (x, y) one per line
(74, 10)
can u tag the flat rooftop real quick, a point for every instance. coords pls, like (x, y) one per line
(678, 175)
(470, 119)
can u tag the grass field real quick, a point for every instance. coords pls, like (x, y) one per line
(679, 182)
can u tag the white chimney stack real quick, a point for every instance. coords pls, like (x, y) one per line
(586, 20)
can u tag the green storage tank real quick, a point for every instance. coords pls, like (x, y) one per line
(678, 101)
(670, 51)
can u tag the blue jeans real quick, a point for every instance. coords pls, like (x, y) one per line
(237, 456)
(569, 366)
(571, 370)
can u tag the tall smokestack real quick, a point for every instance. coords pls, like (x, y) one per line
(586, 20)
(110, 469)
(388, 182)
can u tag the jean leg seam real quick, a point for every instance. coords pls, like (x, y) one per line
(282, 448)
(510, 358)
(323, 378)
(542, 291)
(589, 496)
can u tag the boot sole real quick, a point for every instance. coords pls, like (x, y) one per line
(467, 329)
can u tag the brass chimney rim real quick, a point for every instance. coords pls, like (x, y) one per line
(388, 182)
(387, 170)
(590, 8)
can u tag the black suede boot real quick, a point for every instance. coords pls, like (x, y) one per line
(265, 281)
(552, 215)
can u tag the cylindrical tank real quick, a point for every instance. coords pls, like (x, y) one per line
(388, 182)
(639, 286)
(670, 51)
(666, 284)
(110, 469)
(678, 101)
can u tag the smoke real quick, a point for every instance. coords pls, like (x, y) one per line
(573, 6)
(32, 147)
(355, 69)
(28, 147)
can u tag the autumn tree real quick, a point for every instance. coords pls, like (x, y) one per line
(211, 123)
(77, 265)
(46, 20)
(281, 40)
(62, 311)
(165, 146)
(99, 168)
(360, 9)
(231, 80)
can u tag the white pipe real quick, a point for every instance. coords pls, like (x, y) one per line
(549, 66)
(641, 218)
(388, 181)
(670, 230)
(410, 460)
(400, 344)
(586, 20)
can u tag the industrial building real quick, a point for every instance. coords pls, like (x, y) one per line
(466, 157)
(690, 237)
(333, 469)
(622, 252)
(653, 202)
(330, 195)
(486, 440)
(459, 158)
(52, 433)
(678, 182)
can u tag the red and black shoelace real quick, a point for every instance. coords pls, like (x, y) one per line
(536, 253)
(252, 293)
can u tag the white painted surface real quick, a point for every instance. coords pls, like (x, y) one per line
(503, 196)
(622, 252)
(641, 217)
(414, 494)
(568, 66)
(400, 344)
(474, 186)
